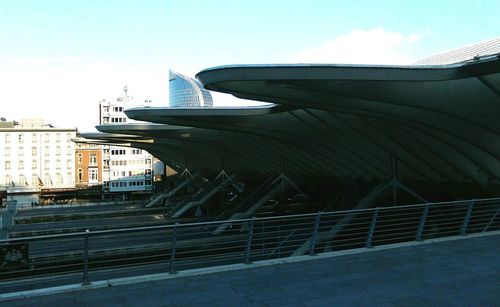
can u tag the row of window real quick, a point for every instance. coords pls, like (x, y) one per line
(130, 162)
(34, 164)
(120, 174)
(34, 151)
(117, 152)
(34, 137)
(119, 162)
(92, 159)
(122, 184)
(37, 181)
(105, 120)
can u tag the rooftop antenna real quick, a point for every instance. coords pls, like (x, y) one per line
(125, 89)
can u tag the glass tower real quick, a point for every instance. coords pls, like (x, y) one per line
(187, 92)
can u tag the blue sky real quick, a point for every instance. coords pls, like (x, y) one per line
(57, 56)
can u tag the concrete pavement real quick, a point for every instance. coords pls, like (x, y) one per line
(452, 271)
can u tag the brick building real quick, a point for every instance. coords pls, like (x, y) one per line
(88, 164)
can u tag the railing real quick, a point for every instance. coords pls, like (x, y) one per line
(184, 246)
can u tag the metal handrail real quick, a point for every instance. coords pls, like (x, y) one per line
(237, 221)
(190, 244)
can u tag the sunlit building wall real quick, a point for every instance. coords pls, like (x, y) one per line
(35, 154)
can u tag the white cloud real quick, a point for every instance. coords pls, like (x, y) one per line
(375, 46)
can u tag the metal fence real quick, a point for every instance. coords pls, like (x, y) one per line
(170, 248)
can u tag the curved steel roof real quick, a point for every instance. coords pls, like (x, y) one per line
(441, 122)
(338, 121)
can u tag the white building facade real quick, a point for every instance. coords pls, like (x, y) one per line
(35, 154)
(125, 169)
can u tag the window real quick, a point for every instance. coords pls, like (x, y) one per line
(34, 164)
(20, 138)
(22, 180)
(47, 137)
(58, 137)
(8, 180)
(68, 137)
(47, 165)
(58, 164)
(20, 152)
(7, 138)
(69, 150)
(69, 164)
(20, 165)
(34, 180)
(80, 175)
(59, 178)
(47, 151)
(148, 182)
(33, 151)
(80, 158)
(34, 138)
(58, 150)
(93, 160)
(7, 151)
(93, 175)
(47, 180)
(7, 165)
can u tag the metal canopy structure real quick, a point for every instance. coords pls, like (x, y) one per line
(442, 123)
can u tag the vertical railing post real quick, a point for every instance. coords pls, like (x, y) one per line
(463, 230)
(248, 248)
(371, 231)
(314, 235)
(86, 259)
(172, 252)
(421, 225)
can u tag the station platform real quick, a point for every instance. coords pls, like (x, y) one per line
(448, 271)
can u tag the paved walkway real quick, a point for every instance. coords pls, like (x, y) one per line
(462, 272)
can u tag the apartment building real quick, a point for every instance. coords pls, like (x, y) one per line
(36, 154)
